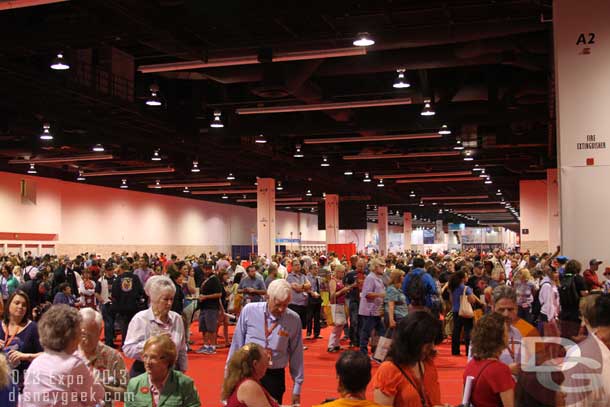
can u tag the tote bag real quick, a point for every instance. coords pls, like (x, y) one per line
(338, 313)
(465, 307)
(383, 346)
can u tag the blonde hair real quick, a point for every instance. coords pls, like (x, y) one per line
(167, 347)
(396, 276)
(241, 366)
(525, 275)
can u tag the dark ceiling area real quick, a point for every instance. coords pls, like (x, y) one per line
(288, 73)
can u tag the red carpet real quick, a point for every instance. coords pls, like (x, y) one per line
(320, 381)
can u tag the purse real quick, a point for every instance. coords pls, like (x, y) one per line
(465, 306)
(338, 313)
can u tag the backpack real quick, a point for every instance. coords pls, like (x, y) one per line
(568, 295)
(416, 290)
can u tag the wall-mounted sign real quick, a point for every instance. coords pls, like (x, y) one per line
(525, 231)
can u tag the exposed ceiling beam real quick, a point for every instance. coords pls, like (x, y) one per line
(452, 198)
(225, 191)
(110, 173)
(448, 179)
(13, 4)
(190, 185)
(253, 59)
(324, 106)
(362, 139)
(423, 175)
(395, 156)
(65, 159)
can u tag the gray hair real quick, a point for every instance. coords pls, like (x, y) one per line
(503, 292)
(89, 314)
(279, 290)
(156, 285)
(58, 327)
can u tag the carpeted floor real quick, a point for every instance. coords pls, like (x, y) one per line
(320, 381)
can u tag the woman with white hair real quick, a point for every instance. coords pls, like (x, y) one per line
(158, 319)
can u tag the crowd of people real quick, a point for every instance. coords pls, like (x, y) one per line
(79, 318)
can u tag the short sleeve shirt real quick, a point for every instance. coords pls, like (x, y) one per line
(390, 381)
(490, 382)
(457, 294)
(211, 286)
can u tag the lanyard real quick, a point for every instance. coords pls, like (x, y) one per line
(269, 329)
(153, 403)
(420, 389)
(10, 339)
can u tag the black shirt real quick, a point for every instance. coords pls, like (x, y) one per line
(211, 286)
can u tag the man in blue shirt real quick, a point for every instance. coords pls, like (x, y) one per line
(428, 286)
(252, 286)
(276, 328)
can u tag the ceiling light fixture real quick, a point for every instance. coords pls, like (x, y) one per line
(421, 203)
(401, 82)
(482, 174)
(458, 145)
(366, 177)
(225, 191)
(32, 169)
(46, 132)
(124, 184)
(279, 186)
(363, 39)
(488, 180)
(98, 148)
(158, 184)
(380, 184)
(297, 152)
(444, 131)
(186, 190)
(217, 121)
(427, 110)
(192, 185)
(156, 156)
(230, 177)
(477, 168)
(324, 162)
(153, 99)
(412, 194)
(468, 156)
(499, 192)
(446, 179)
(80, 176)
(424, 175)
(195, 167)
(260, 139)
(348, 172)
(225, 196)
(59, 63)
(308, 193)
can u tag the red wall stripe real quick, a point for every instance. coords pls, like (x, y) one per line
(27, 236)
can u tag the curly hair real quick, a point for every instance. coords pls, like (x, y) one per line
(58, 327)
(489, 336)
(240, 366)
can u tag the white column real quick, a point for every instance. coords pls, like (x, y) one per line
(407, 219)
(382, 227)
(533, 206)
(553, 208)
(331, 213)
(265, 215)
(582, 66)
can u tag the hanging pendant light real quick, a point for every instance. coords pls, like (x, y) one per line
(46, 132)
(230, 177)
(363, 39)
(98, 148)
(444, 131)
(401, 82)
(458, 145)
(32, 169)
(195, 167)
(380, 184)
(427, 110)
(59, 63)
(308, 193)
(124, 184)
(260, 139)
(366, 177)
(298, 153)
(324, 162)
(81, 176)
(157, 184)
(156, 156)
(153, 99)
(217, 121)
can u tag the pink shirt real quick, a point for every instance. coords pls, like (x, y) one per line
(58, 379)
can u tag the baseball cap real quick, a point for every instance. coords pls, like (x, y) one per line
(593, 262)
(534, 258)
(562, 259)
(377, 262)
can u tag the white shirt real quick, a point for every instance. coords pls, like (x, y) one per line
(549, 299)
(144, 325)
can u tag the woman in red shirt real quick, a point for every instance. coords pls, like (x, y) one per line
(493, 384)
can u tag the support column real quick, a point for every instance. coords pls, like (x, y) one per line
(407, 230)
(265, 215)
(331, 208)
(582, 66)
(533, 195)
(382, 227)
(553, 208)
